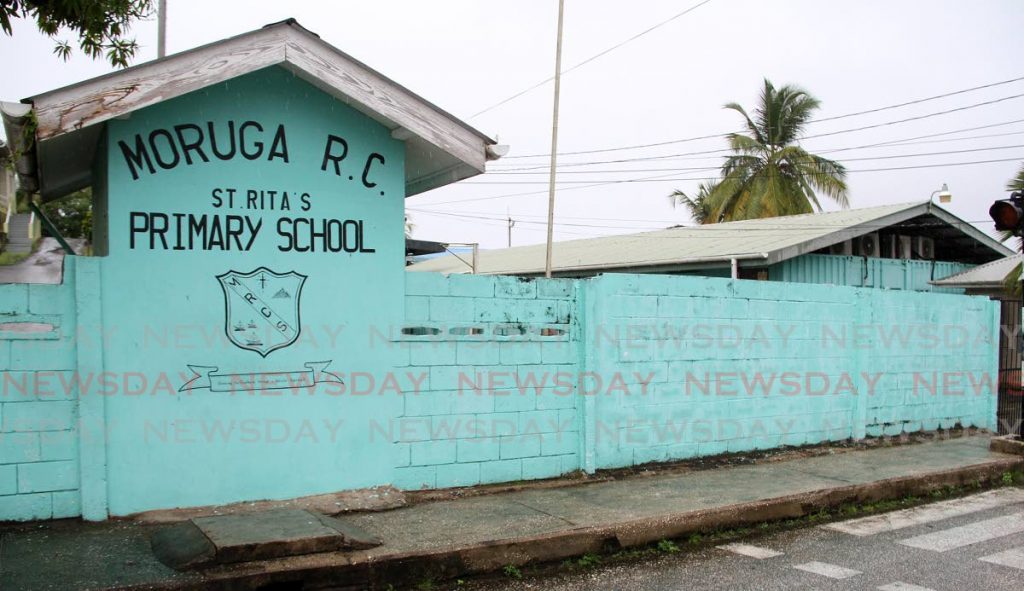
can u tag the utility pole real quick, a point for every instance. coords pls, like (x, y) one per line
(554, 140)
(511, 224)
(161, 27)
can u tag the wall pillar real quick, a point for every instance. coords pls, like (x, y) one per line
(92, 427)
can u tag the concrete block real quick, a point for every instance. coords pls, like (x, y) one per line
(38, 416)
(507, 286)
(570, 463)
(5, 356)
(477, 353)
(458, 475)
(58, 445)
(432, 353)
(555, 444)
(520, 446)
(57, 355)
(417, 308)
(555, 288)
(519, 353)
(427, 284)
(501, 471)
(47, 476)
(49, 299)
(536, 468)
(26, 507)
(19, 447)
(478, 450)
(428, 403)
(416, 477)
(449, 309)
(22, 386)
(67, 504)
(430, 453)
(13, 298)
(473, 403)
(515, 402)
(541, 421)
(555, 400)
(400, 454)
(8, 479)
(471, 286)
(559, 352)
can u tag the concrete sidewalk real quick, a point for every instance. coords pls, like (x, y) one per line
(483, 533)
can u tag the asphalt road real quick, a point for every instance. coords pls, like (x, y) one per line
(976, 542)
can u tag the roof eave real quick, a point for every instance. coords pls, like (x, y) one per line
(453, 149)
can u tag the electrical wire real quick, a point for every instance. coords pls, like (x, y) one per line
(592, 58)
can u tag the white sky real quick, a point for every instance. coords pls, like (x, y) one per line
(465, 55)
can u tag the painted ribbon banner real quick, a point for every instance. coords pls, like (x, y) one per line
(207, 377)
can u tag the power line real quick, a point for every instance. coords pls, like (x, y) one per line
(683, 155)
(888, 157)
(592, 58)
(663, 178)
(868, 111)
(716, 168)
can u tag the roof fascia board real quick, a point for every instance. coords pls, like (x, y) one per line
(107, 97)
(333, 72)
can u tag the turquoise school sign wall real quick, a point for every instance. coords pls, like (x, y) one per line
(255, 236)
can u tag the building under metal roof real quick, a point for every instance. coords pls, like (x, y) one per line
(748, 243)
(989, 277)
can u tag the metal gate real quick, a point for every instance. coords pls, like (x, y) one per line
(1011, 397)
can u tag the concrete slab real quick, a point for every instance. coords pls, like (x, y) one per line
(45, 265)
(225, 539)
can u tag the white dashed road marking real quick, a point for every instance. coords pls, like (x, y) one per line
(900, 586)
(1013, 558)
(876, 524)
(827, 570)
(751, 551)
(957, 537)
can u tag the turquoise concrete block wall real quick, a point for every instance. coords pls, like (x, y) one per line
(39, 427)
(254, 242)
(497, 359)
(714, 365)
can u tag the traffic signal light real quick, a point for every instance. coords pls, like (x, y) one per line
(1008, 214)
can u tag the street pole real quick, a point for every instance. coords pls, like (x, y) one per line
(511, 224)
(161, 27)
(554, 140)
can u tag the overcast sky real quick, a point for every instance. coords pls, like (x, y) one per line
(666, 85)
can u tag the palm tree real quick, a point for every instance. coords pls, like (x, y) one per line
(769, 174)
(698, 206)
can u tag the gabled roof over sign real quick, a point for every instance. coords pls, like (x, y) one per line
(754, 242)
(440, 149)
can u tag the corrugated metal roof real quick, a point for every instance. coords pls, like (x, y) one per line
(767, 240)
(988, 275)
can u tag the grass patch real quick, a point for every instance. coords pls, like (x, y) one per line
(12, 258)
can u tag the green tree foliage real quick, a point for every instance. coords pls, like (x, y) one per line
(769, 174)
(699, 206)
(72, 215)
(101, 25)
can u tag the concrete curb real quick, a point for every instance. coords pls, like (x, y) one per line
(1007, 444)
(371, 570)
